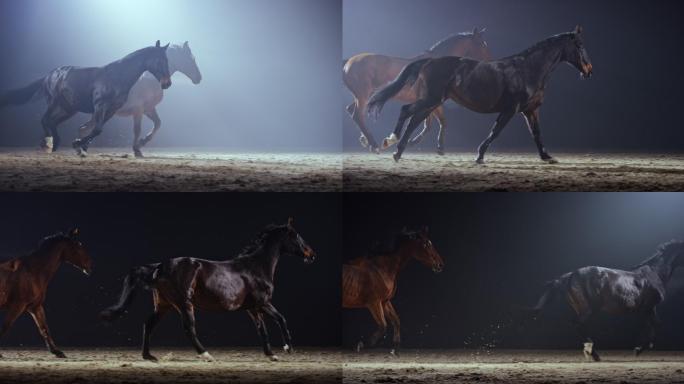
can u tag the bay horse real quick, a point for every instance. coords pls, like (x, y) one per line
(371, 282)
(147, 93)
(24, 280)
(365, 72)
(590, 290)
(242, 283)
(508, 86)
(100, 91)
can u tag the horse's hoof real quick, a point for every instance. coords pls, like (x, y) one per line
(359, 346)
(396, 157)
(59, 354)
(273, 358)
(150, 358)
(363, 140)
(637, 351)
(206, 356)
(595, 357)
(479, 160)
(550, 160)
(374, 149)
(287, 348)
(48, 144)
(440, 152)
(389, 141)
(394, 353)
(137, 153)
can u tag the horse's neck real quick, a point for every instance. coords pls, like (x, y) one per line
(392, 263)
(663, 268)
(268, 256)
(129, 69)
(544, 59)
(45, 262)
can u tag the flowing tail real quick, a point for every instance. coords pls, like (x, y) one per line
(553, 287)
(21, 95)
(138, 277)
(408, 75)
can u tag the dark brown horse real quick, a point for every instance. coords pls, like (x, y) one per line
(590, 290)
(508, 86)
(24, 280)
(367, 71)
(371, 282)
(244, 282)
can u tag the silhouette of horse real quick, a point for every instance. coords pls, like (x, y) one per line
(147, 93)
(511, 85)
(24, 281)
(242, 283)
(367, 71)
(372, 282)
(589, 290)
(100, 91)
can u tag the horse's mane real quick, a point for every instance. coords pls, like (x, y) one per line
(258, 240)
(549, 41)
(383, 248)
(662, 250)
(449, 40)
(48, 241)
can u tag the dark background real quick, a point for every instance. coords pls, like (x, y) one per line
(124, 230)
(270, 68)
(629, 105)
(500, 249)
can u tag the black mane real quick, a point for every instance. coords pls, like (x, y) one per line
(50, 240)
(662, 250)
(548, 42)
(258, 240)
(449, 40)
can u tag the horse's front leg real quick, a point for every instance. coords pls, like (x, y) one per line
(187, 313)
(270, 310)
(137, 125)
(396, 326)
(104, 110)
(38, 314)
(260, 325)
(532, 119)
(154, 116)
(651, 323)
(499, 124)
(11, 315)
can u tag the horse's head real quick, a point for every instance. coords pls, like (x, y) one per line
(465, 44)
(74, 253)
(157, 64)
(293, 244)
(575, 54)
(420, 246)
(182, 59)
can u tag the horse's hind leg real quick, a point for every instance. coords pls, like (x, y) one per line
(501, 121)
(439, 113)
(358, 114)
(426, 128)
(160, 309)
(187, 313)
(11, 315)
(270, 310)
(137, 125)
(649, 333)
(54, 116)
(416, 119)
(38, 314)
(379, 317)
(532, 119)
(260, 325)
(406, 111)
(103, 112)
(396, 325)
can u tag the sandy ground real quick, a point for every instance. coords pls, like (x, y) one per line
(184, 170)
(513, 172)
(175, 366)
(460, 366)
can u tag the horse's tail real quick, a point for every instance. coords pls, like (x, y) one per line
(21, 95)
(139, 277)
(408, 75)
(553, 287)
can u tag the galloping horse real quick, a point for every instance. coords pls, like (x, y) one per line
(24, 281)
(367, 71)
(100, 91)
(372, 282)
(511, 85)
(589, 290)
(244, 282)
(147, 93)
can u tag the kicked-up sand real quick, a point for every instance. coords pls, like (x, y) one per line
(168, 170)
(421, 172)
(124, 366)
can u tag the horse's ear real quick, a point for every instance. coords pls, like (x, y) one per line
(186, 45)
(158, 44)
(167, 46)
(74, 232)
(578, 29)
(290, 222)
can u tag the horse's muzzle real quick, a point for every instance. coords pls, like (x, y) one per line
(165, 83)
(437, 268)
(587, 70)
(309, 256)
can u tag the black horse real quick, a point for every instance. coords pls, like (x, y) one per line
(245, 282)
(506, 86)
(589, 290)
(100, 91)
